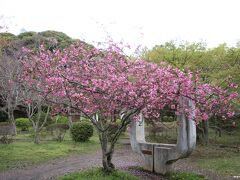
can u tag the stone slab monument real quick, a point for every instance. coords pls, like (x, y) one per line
(158, 157)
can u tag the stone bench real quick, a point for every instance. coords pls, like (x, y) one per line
(158, 157)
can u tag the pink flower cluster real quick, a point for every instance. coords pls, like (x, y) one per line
(105, 81)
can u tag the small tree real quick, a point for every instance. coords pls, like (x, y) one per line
(35, 110)
(10, 84)
(38, 110)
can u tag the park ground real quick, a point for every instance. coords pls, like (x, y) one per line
(50, 160)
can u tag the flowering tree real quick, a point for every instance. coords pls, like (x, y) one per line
(37, 109)
(106, 86)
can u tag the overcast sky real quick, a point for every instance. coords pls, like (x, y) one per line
(137, 22)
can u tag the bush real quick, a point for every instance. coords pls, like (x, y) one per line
(60, 119)
(81, 132)
(23, 123)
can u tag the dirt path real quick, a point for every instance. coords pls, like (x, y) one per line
(124, 159)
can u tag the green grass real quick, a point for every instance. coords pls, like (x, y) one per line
(184, 176)
(226, 139)
(24, 153)
(222, 165)
(223, 161)
(98, 174)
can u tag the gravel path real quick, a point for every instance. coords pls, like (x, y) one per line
(123, 159)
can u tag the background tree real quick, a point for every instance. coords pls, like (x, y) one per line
(10, 86)
(217, 65)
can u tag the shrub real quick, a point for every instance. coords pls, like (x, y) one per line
(81, 132)
(23, 123)
(58, 130)
(60, 119)
(83, 119)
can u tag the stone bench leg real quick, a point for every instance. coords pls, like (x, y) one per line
(147, 152)
(161, 158)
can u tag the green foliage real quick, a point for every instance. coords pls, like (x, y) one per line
(60, 38)
(51, 39)
(42, 117)
(168, 119)
(28, 34)
(98, 174)
(218, 66)
(30, 39)
(58, 126)
(81, 131)
(60, 119)
(23, 123)
(185, 176)
(83, 119)
(7, 36)
(215, 65)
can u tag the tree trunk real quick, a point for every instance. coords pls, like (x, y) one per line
(108, 166)
(36, 136)
(70, 121)
(12, 120)
(206, 133)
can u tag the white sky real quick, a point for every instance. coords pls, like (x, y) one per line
(137, 22)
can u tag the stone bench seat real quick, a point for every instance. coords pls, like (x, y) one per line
(158, 157)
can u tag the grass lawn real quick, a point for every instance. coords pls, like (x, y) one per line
(225, 161)
(222, 165)
(97, 174)
(24, 153)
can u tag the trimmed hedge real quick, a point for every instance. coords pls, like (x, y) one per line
(61, 119)
(81, 132)
(23, 123)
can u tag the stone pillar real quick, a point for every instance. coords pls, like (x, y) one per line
(137, 134)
